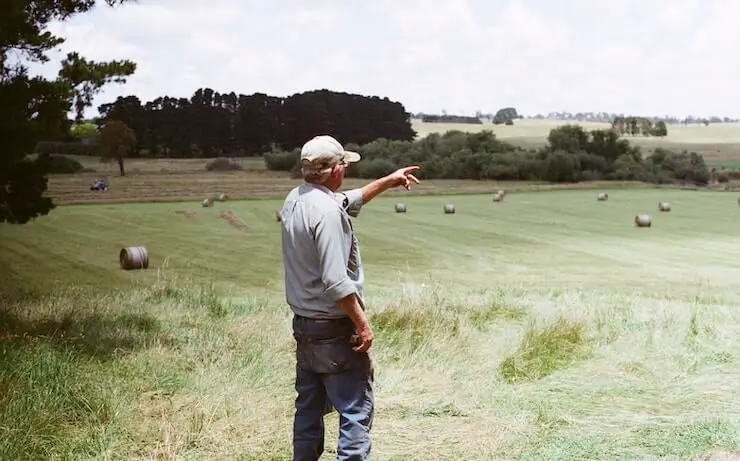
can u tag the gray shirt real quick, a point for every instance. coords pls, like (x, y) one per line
(321, 256)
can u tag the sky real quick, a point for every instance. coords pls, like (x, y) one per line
(640, 57)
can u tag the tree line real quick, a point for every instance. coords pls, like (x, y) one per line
(212, 124)
(572, 154)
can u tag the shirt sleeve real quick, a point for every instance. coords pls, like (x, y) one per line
(333, 239)
(351, 201)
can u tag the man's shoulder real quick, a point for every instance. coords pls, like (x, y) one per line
(315, 202)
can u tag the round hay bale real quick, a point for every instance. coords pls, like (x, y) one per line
(664, 206)
(602, 197)
(498, 197)
(223, 197)
(643, 220)
(277, 216)
(501, 192)
(449, 209)
(133, 258)
(400, 208)
(207, 202)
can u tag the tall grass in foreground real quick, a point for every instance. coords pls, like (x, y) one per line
(175, 371)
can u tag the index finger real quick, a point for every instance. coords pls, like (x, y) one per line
(410, 169)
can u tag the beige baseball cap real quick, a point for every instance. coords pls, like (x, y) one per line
(324, 151)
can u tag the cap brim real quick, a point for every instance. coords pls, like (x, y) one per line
(351, 157)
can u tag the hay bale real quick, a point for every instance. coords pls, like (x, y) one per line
(400, 208)
(277, 216)
(643, 220)
(133, 258)
(501, 192)
(602, 197)
(498, 197)
(223, 197)
(207, 203)
(664, 206)
(449, 209)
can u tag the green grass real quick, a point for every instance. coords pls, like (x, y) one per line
(545, 327)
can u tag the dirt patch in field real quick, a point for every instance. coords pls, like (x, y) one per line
(234, 220)
(186, 213)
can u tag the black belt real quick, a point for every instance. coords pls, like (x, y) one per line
(323, 320)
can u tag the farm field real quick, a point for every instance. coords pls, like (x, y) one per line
(170, 180)
(544, 327)
(717, 142)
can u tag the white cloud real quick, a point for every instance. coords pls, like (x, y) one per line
(662, 56)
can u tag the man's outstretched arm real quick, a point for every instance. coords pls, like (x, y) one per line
(354, 199)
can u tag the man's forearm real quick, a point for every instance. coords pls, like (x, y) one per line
(371, 190)
(351, 306)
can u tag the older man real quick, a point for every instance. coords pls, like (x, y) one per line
(323, 287)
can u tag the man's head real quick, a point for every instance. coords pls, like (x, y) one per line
(324, 160)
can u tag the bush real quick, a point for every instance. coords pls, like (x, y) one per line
(61, 164)
(572, 154)
(223, 164)
(281, 161)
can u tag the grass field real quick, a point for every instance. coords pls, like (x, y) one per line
(546, 327)
(162, 180)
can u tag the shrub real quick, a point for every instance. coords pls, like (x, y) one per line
(282, 161)
(223, 164)
(571, 155)
(61, 164)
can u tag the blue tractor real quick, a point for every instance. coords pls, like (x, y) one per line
(99, 185)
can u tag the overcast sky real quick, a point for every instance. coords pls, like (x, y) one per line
(643, 57)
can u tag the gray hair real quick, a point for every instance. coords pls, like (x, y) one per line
(316, 173)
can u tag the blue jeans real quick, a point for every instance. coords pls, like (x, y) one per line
(330, 374)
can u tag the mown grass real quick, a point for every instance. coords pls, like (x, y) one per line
(545, 327)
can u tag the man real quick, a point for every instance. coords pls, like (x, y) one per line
(323, 287)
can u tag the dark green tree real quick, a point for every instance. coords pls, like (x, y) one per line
(34, 108)
(117, 142)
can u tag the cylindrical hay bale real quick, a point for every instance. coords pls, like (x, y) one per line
(400, 208)
(133, 258)
(502, 193)
(449, 209)
(643, 220)
(498, 197)
(603, 196)
(664, 206)
(207, 202)
(223, 197)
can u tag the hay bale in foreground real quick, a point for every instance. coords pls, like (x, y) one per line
(498, 197)
(223, 197)
(400, 208)
(131, 258)
(664, 206)
(449, 209)
(643, 220)
(602, 197)
(207, 203)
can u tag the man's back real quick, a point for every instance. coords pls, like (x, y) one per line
(317, 241)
